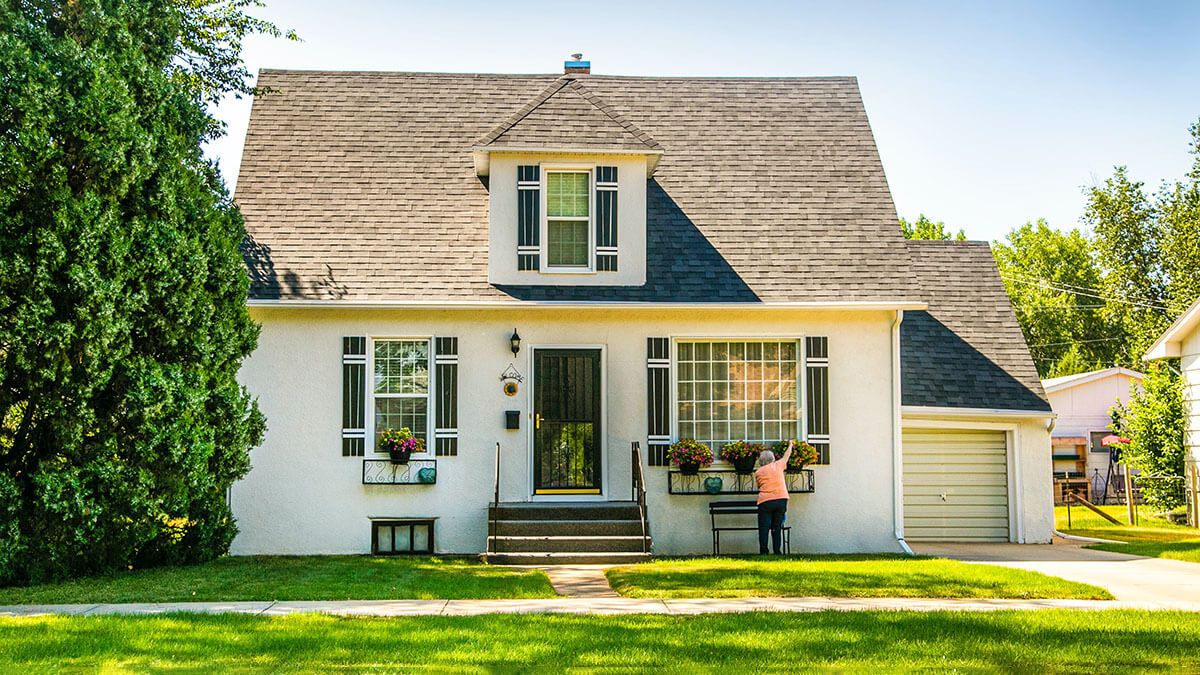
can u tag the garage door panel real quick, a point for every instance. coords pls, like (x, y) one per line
(955, 485)
(977, 479)
(958, 498)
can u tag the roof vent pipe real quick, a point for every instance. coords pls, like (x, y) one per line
(577, 65)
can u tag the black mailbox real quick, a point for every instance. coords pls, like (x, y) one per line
(512, 419)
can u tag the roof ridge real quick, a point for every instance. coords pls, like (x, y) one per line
(591, 97)
(576, 87)
(522, 112)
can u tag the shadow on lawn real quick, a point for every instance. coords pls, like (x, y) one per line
(1050, 640)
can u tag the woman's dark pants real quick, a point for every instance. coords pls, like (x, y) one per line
(771, 515)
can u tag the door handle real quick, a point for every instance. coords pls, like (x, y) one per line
(537, 421)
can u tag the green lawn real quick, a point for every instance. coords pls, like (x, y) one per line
(860, 576)
(1154, 537)
(1029, 641)
(296, 578)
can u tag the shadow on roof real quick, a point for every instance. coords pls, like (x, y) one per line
(940, 369)
(682, 265)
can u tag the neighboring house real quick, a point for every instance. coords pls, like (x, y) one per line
(571, 265)
(1182, 341)
(1083, 402)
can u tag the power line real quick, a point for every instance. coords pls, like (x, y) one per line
(1093, 289)
(1050, 286)
(1077, 342)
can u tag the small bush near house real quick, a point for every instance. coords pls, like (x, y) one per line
(1153, 419)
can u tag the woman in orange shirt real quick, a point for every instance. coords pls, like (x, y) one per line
(772, 498)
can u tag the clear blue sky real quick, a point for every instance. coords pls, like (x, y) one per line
(987, 115)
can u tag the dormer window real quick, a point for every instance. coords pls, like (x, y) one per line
(568, 228)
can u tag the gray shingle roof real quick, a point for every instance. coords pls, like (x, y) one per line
(967, 350)
(568, 115)
(360, 186)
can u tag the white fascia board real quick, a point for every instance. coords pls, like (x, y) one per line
(482, 155)
(925, 412)
(1168, 346)
(566, 304)
(1092, 377)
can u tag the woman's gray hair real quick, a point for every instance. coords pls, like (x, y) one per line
(765, 457)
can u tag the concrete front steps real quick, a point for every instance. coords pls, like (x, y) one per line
(566, 533)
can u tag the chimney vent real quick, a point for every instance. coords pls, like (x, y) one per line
(577, 65)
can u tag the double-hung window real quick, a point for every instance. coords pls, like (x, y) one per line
(733, 390)
(568, 219)
(401, 387)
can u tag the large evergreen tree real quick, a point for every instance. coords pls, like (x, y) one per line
(123, 292)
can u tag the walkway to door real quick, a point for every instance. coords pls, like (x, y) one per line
(1129, 578)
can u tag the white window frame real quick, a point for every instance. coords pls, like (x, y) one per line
(801, 380)
(544, 225)
(430, 413)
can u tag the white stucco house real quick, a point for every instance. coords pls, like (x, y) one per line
(567, 266)
(1082, 403)
(1182, 341)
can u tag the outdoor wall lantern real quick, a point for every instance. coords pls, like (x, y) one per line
(514, 342)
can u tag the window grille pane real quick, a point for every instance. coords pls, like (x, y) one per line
(402, 412)
(567, 243)
(401, 367)
(567, 194)
(731, 391)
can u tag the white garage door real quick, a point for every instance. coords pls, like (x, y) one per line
(955, 485)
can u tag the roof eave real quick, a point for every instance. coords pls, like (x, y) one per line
(882, 305)
(482, 155)
(1170, 344)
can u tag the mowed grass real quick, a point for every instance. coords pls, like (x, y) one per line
(1042, 641)
(855, 576)
(1153, 537)
(296, 578)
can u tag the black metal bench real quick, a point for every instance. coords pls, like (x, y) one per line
(732, 508)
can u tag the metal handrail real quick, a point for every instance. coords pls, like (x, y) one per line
(492, 524)
(639, 494)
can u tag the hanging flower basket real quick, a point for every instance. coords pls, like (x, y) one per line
(690, 455)
(400, 444)
(803, 454)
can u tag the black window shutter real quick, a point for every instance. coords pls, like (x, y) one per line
(658, 399)
(528, 221)
(445, 432)
(816, 387)
(354, 401)
(606, 219)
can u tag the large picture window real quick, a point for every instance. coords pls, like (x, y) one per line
(568, 218)
(401, 387)
(737, 390)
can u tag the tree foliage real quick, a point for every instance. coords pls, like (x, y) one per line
(1153, 419)
(123, 291)
(924, 228)
(1148, 246)
(1051, 277)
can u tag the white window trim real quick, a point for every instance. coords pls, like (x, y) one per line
(544, 228)
(430, 413)
(801, 402)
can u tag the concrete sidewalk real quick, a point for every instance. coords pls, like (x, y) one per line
(602, 606)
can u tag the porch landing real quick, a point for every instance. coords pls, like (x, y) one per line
(589, 533)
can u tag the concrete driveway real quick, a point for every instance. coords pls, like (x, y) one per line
(1131, 578)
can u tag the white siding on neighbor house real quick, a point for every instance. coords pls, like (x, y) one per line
(303, 496)
(1190, 364)
(1083, 409)
(956, 485)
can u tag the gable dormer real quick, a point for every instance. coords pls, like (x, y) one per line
(567, 192)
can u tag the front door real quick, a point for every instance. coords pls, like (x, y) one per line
(566, 409)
